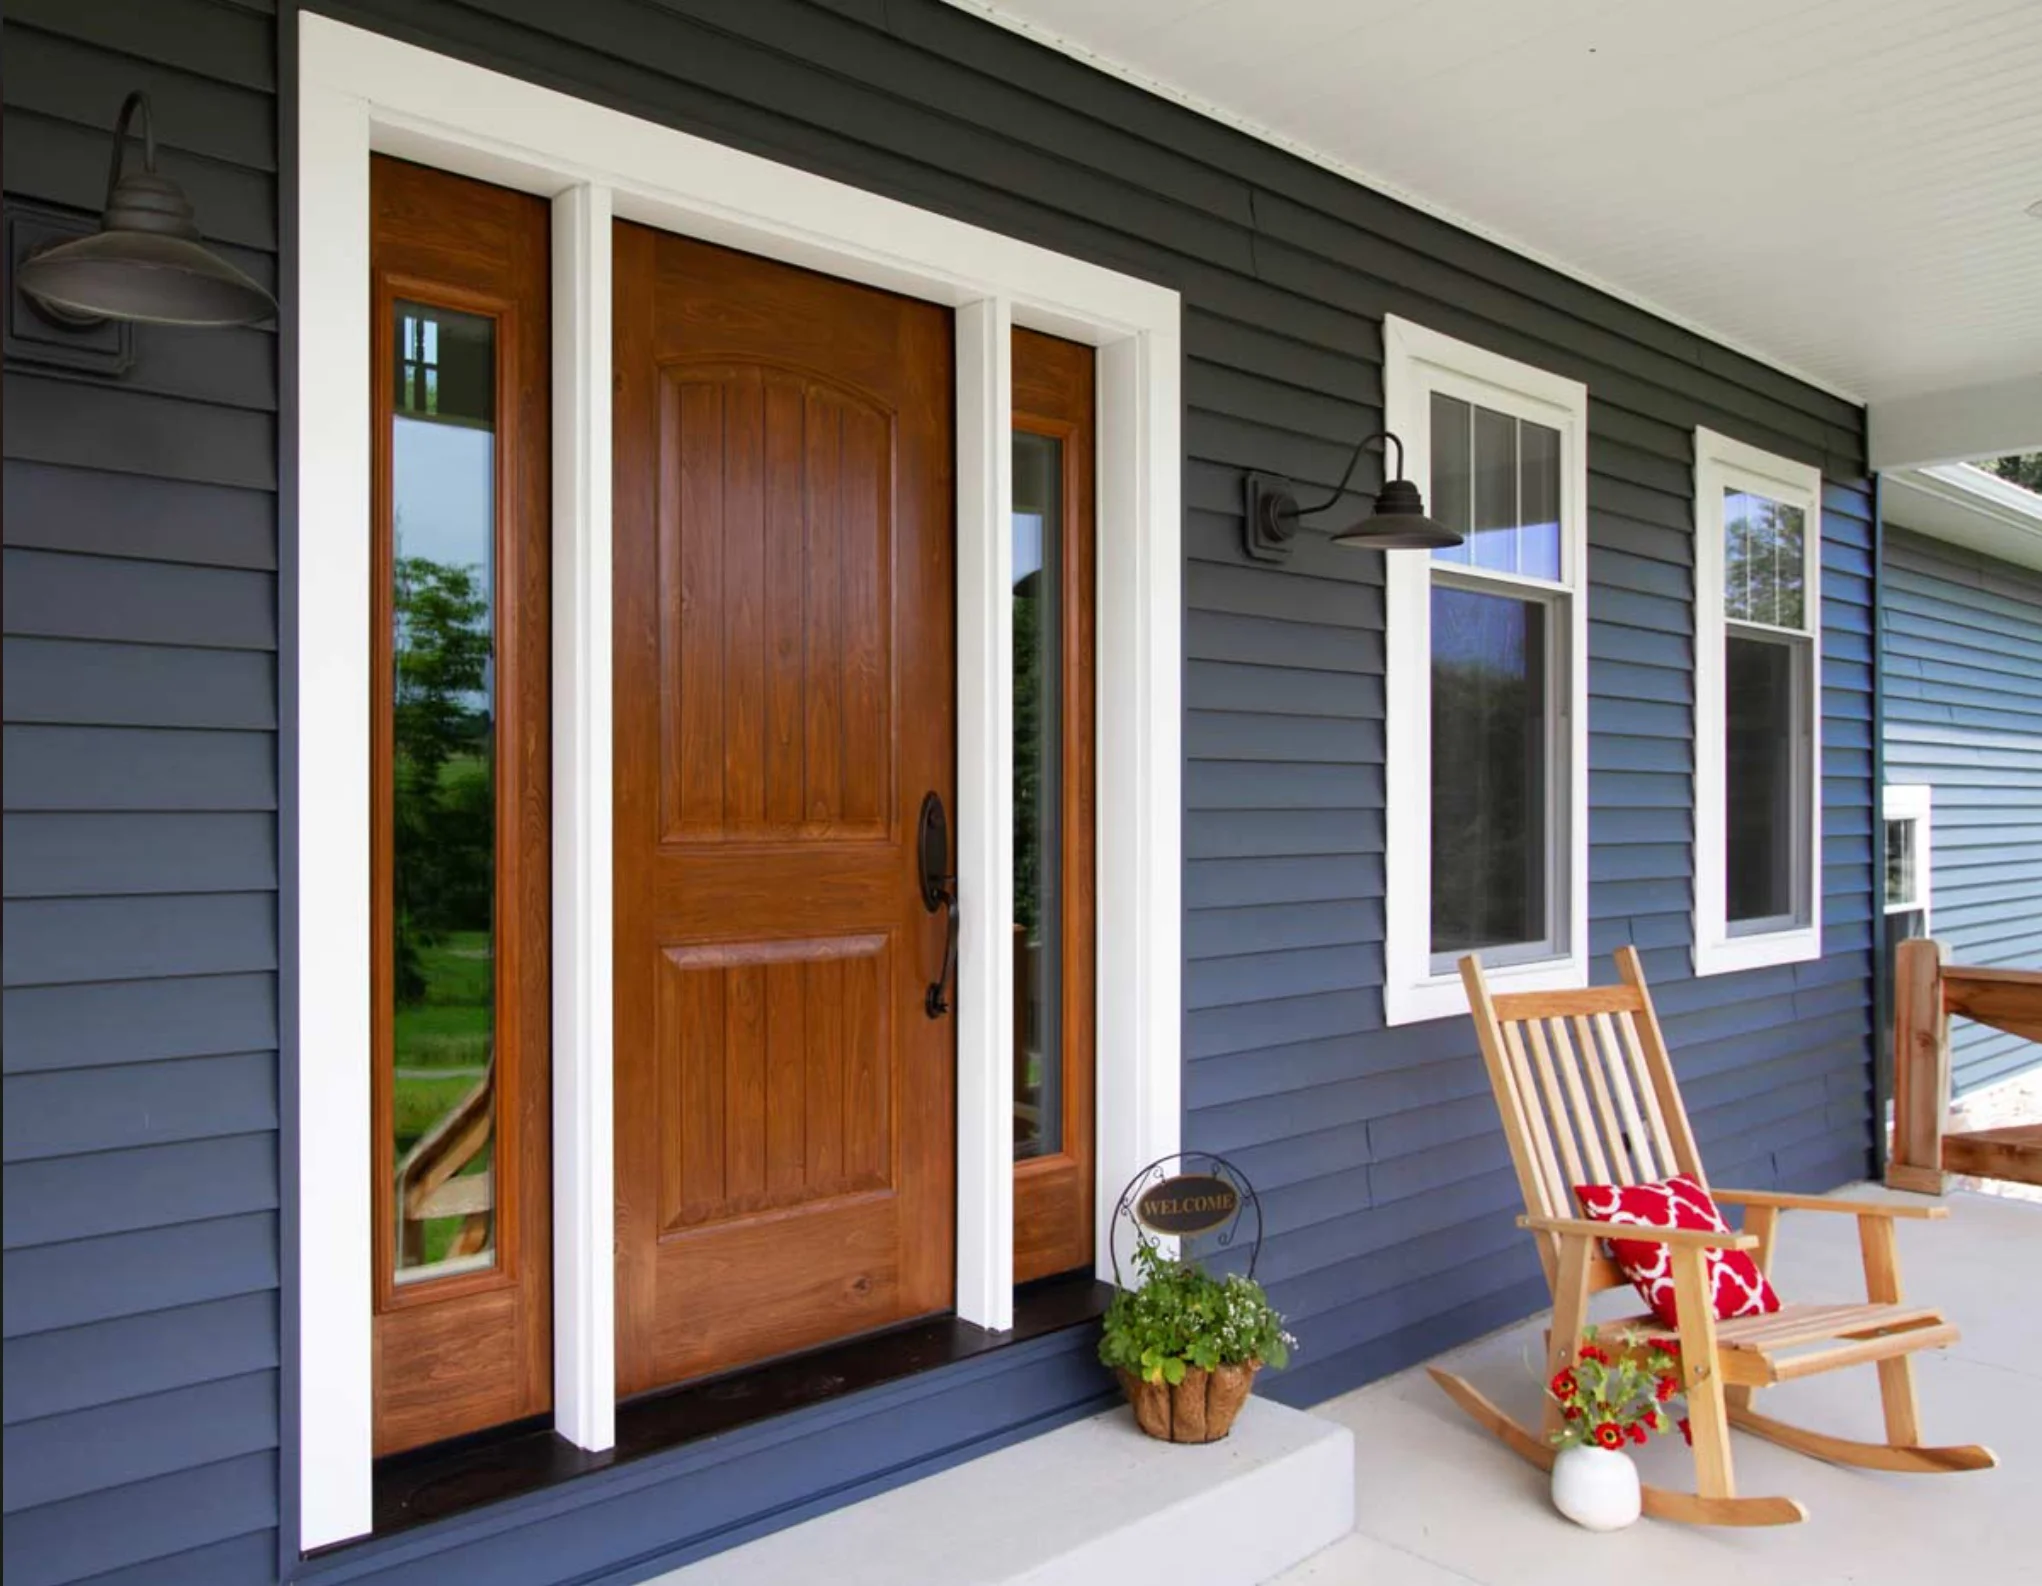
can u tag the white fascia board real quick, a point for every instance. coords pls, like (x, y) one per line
(1962, 505)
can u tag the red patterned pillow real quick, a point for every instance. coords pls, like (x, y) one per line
(1739, 1288)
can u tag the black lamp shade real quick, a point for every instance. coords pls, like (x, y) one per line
(1398, 523)
(146, 262)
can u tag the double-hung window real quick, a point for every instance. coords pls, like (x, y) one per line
(1486, 825)
(1758, 719)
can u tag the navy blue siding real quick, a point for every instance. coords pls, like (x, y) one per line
(141, 783)
(139, 952)
(1961, 643)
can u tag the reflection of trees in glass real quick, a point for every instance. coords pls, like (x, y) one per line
(1488, 745)
(443, 825)
(1028, 712)
(1765, 561)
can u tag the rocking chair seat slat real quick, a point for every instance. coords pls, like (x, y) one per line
(1791, 1326)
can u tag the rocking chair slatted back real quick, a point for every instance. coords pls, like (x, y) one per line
(1587, 1093)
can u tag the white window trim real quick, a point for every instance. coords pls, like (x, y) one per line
(1913, 802)
(361, 92)
(1721, 463)
(1416, 363)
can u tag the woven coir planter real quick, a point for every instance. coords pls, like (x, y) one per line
(1200, 1409)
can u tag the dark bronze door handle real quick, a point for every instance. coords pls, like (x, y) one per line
(939, 891)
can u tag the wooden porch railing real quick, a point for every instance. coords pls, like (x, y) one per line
(1927, 990)
(431, 1184)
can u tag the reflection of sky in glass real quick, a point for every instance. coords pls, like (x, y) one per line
(1483, 634)
(1027, 544)
(443, 487)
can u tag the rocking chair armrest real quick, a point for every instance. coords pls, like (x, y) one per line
(1822, 1203)
(1642, 1233)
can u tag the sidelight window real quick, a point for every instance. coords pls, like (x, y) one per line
(442, 801)
(1757, 721)
(1485, 829)
(458, 807)
(1050, 542)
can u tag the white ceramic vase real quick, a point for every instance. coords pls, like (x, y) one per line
(1596, 1487)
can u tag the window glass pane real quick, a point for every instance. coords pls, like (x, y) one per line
(1763, 780)
(1038, 793)
(1497, 480)
(1789, 565)
(443, 844)
(1490, 770)
(1765, 560)
(1900, 863)
(1494, 542)
(1539, 500)
(1452, 470)
(1737, 556)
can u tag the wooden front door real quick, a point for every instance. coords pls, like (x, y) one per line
(784, 663)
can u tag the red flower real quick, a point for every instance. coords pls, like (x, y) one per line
(1667, 1346)
(1687, 1432)
(1666, 1387)
(1594, 1353)
(1571, 1411)
(1564, 1386)
(1638, 1432)
(1610, 1435)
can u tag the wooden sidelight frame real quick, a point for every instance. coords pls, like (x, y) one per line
(361, 93)
(467, 1350)
(1054, 383)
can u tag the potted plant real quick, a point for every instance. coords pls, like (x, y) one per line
(1186, 1345)
(1609, 1400)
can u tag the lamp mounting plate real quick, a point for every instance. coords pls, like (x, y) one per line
(1271, 518)
(33, 333)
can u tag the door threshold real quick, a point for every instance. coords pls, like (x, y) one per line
(443, 1480)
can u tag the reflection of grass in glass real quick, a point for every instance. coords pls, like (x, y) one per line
(420, 1103)
(451, 1026)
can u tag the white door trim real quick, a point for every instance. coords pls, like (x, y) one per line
(361, 92)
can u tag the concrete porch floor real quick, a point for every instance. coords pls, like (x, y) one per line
(1440, 1503)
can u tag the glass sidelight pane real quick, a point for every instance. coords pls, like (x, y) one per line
(1491, 759)
(443, 801)
(1765, 782)
(1038, 793)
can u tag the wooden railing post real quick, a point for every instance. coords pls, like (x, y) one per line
(1921, 1068)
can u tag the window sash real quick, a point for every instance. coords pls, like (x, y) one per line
(1554, 819)
(1799, 772)
(1418, 364)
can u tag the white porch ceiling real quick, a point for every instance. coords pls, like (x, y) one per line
(1840, 187)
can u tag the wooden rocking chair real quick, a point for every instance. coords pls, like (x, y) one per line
(1598, 1104)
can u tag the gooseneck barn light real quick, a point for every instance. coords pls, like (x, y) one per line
(1396, 521)
(145, 262)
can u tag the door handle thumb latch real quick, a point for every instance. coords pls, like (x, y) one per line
(939, 891)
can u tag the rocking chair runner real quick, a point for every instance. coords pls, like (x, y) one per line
(1588, 1096)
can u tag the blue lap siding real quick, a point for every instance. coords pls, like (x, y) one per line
(1961, 635)
(141, 1224)
(142, 621)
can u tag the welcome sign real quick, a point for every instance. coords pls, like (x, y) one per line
(1190, 1203)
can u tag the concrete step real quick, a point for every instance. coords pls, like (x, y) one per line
(1091, 1504)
